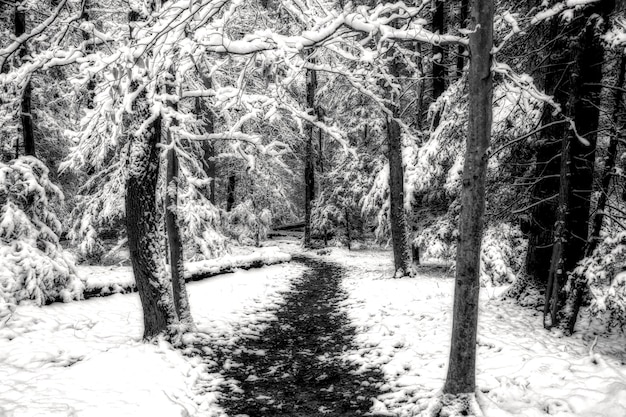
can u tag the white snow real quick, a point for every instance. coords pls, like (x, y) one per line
(404, 327)
(87, 359)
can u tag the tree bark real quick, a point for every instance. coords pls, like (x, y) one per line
(208, 157)
(397, 220)
(89, 49)
(309, 163)
(547, 165)
(142, 218)
(26, 116)
(579, 284)
(556, 275)
(461, 376)
(230, 199)
(460, 59)
(439, 69)
(172, 228)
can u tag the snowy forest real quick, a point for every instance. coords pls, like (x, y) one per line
(313, 207)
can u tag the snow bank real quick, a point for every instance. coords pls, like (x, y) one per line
(404, 326)
(100, 281)
(87, 359)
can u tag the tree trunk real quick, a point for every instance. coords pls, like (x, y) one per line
(348, 236)
(460, 60)
(230, 199)
(579, 285)
(547, 166)
(397, 220)
(208, 148)
(142, 218)
(439, 69)
(89, 49)
(177, 268)
(556, 275)
(461, 376)
(309, 163)
(586, 79)
(26, 116)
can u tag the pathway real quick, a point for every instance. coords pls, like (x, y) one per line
(294, 368)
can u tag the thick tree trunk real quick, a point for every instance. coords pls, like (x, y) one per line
(309, 163)
(142, 220)
(461, 369)
(26, 116)
(172, 228)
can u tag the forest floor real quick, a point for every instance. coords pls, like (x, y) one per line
(331, 333)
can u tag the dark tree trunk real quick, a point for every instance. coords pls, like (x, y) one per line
(26, 116)
(547, 166)
(89, 49)
(397, 220)
(208, 157)
(309, 163)
(348, 235)
(230, 198)
(460, 60)
(586, 79)
(579, 285)
(461, 376)
(142, 218)
(439, 69)
(556, 275)
(399, 234)
(172, 228)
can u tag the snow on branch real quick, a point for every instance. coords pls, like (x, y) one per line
(14, 46)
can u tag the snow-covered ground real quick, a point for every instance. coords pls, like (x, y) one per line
(404, 326)
(86, 358)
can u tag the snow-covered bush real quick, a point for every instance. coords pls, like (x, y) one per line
(604, 274)
(502, 254)
(325, 218)
(201, 225)
(33, 265)
(248, 225)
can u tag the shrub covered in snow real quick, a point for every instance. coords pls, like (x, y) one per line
(33, 265)
(604, 274)
(246, 223)
(502, 252)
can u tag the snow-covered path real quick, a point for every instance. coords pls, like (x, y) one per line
(294, 366)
